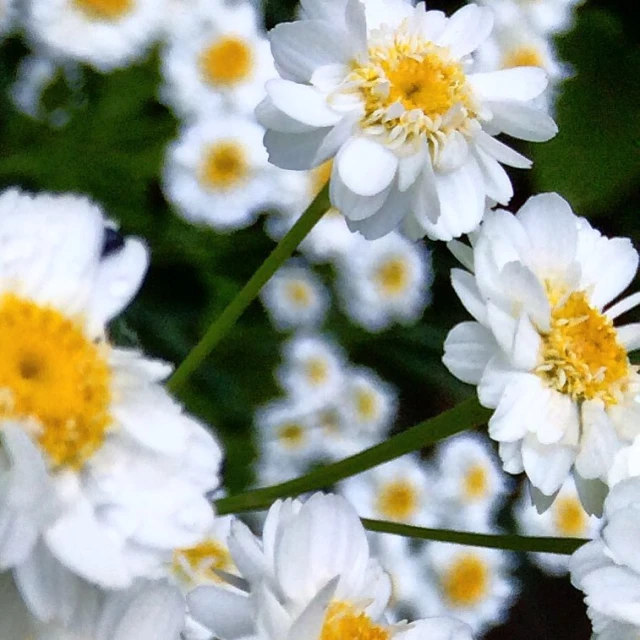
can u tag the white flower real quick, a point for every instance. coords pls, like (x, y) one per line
(385, 88)
(106, 34)
(99, 467)
(544, 351)
(566, 518)
(470, 484)
(608, 569)
(217, 58)
(217, 173)
(310, 577)
(7, 15)
(385, 281)
(543, 16)
(295, 297)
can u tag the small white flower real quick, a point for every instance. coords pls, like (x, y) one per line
(295, 297)
(385, 281)
(566, 518)
(543, 16)
(7, 15)
(217, 58)
(106, 34)
(385, 88)
(544, 351)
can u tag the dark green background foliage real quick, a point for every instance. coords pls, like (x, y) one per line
(113, 148)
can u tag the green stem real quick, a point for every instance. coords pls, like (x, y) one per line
(221, 326)
(466, 415)
(507, 542)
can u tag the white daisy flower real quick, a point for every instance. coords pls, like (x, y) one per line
(272, 468)
(608, 569)
(566, 518)
(310, 577)
(106, 34)
(336, 440)
(544, 351)
(217, 58)
(111, 475)
(295, 297)
(470, 485)
(469, 583)
(400, 491)
(385, 87)
(217, 173)
(385, 281)
(543, 16)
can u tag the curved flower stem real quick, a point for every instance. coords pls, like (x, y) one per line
(507, 542)
(221, 326)
(466, 415)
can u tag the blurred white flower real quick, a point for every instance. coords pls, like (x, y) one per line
(543, 16)
(7, 15)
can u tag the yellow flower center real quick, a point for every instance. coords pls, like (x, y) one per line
(522, 57)
(320, 176)
(366, 404)
(199, 564)
(570, 518)
(581, 355)
(466, 581)
(105, 9)
(344, 622)
(476, 483)
(317, 371)
(291, 435)
(227, 62)
(398, 500)
(392, 276)
(53, 375)
(225, 166)
(299, 293)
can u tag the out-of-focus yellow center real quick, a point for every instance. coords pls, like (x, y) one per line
(570, 518)
(225, 166)
(291, 435)
(56, 377)
(398, 500)
(366, 404)
(392, 277)
(344, 622)
(105, 9)
(317, 371)
(330, 422)
(299, 293)
(526, 56)
(476, 482)
(320, 176)
(466, 581)
(581, 356)
(198, 564)
(227, 62)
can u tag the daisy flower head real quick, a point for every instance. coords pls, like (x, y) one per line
(330, 588)
(295, 297)
(566, 518)
(470, 485)
(107, 34)
(217, 58)
(385, 281)
(386, 89)
(607, 569)
(217, 173)
(100, 469)
(543, 349)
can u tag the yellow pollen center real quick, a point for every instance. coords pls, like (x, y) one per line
(299, 293)
(581, 355)
(291, 435)
(320, 176)
(398, 500)
(570, 518)
(317, 371)
(343, 622)
(52, 374)
(476, 483)
(199, 563)
(466, 582)
(227, 62)
(225, 166)
(105, 9)
(392, 276)
(366, 404)
(522, 57)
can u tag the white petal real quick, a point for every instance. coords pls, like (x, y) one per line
(624, 305)
(465, 286)
(366, 167)
(547, 466)
(409, 168)
(302, 102)
(526, 345)
(501, 152)
(467, 351)
(270, 117)
(453, 153)
(519, 83)
(297, 151)
(523, 121)
(592, 494)
(466, 29)
(497, 183)
(629, 336)
(225, 613)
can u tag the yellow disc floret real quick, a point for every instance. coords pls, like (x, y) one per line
(105, 9)
(291, 435)
(475, 483)
(317, 371)
(344, 622)
(526, 56)
(55, 378)
(227, 62)
(398, 500)
(581, 356)
(200, 563)
(299, 293)
(392, 276)
(570, 518)
(466, 581)
(225, 166)
(367, 405)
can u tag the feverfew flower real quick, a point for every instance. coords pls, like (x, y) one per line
(295, 297)
(385, 281)
(216, 58)
(385, 87)
(106, 34)
(544, 351)
(311, 576)
(112, 475)
(566, 518)
(608, 569)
